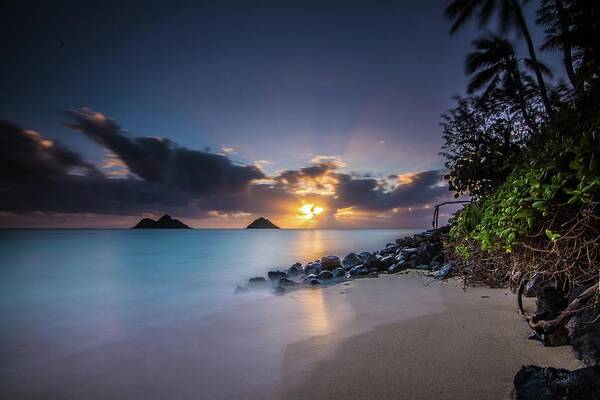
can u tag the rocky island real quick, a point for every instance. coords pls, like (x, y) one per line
(164, 222)
(262, 223)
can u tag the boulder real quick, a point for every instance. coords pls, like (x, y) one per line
(257, 281)
(393, 269)
(330, 262)
(286, 282)
(276, 275)
(325, 275)
(338, 273)
(295, 270)
(313, 268)
(372, 261)
(387, 261)
(351, 260)
(392, 246)
(410, 251)
(537, 383)
(423, 267)
(363, 255)
(359, 270)
(309, 278)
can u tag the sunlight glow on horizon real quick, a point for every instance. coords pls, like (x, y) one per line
(309, 211)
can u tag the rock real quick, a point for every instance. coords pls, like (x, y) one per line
(314, 282)
(309, 278)
(410, 251)
(392, 246)
(295, 270)
(438, 259)
(338, 273)
(584, 335)
(257, 281)
(363, 256)
(240, 289)
(164, 222)
(537, 383)
(400, 258)
(387, 261)
(262, 223)
(395, 268)
(286, 282)
(423, 267)
(351, 260)
(386, 252)
(359, 270)
(372, 261)
(276, 275)
(330, 262)
(325, 275)
(312, 268)
(445, 271)
(373, 274)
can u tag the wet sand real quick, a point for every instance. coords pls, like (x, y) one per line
(390, 337)
(470, 349)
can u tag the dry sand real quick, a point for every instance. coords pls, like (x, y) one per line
(470, 349)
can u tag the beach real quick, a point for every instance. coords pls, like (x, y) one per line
(469, 348)
(386, 337)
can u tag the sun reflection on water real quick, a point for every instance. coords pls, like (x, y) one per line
(317, 321)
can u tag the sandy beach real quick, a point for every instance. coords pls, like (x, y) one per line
(391, 337)
(470, 349)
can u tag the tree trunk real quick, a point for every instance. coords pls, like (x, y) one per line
(538, 73)
(566, 44)
(522, 103)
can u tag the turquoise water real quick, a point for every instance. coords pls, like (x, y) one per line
(62, 291)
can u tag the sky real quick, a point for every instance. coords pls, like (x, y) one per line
(312, 114)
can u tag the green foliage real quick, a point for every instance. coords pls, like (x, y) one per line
(463, 251)
(565, 173)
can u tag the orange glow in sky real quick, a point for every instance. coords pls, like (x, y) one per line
(309, 211)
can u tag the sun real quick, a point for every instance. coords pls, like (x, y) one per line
(309, 211)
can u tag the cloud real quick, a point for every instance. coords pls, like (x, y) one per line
(155, 175)
(161, 160)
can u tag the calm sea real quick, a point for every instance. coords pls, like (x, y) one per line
(67, 290)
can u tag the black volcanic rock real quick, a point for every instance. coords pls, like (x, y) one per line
(164, 222)
(262, 223)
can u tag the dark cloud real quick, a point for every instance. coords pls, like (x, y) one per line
(371, 194)
(160, 160)
(27, 155)
(38, 174)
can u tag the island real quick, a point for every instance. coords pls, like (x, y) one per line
(262, 223)
(164, 222)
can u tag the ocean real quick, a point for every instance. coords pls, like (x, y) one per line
(66, 291)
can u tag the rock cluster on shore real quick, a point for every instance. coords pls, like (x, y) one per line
(422, 252)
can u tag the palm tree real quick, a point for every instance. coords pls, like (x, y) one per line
(554, 16)
(511, 14)
(494, 66)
